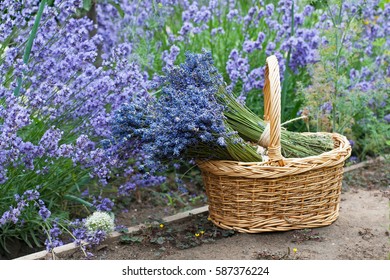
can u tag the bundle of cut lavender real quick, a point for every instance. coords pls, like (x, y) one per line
(186, 121)
(197, 118)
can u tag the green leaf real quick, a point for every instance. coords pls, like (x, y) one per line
(118, 8)
(36, 241)
(87, 4)
(131, 239)
(227, 233)
(160, 240)
(79, 200)
(25, 239)
(3, 245)
(30, 42)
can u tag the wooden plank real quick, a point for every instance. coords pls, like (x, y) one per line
(34, 256)
(113, 236)
(185, 214)
(362, 164)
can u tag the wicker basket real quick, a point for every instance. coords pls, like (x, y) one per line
(282, 193)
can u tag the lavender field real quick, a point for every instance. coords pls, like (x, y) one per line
(94, 107)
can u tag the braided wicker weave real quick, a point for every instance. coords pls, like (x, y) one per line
(279, 194)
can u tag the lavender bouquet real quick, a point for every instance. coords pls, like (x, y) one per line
(185, 122)
(196, 117)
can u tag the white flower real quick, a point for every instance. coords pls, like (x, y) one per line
(100, 221)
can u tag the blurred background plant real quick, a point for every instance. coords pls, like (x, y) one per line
(67, 65)
(240, 35)
(350, 85)
(345, 40)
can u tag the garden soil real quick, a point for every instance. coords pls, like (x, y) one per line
(360, 233)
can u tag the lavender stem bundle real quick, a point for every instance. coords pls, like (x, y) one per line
(250, 127)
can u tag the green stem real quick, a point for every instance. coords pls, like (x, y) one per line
(286, 73)
(30, 42)
(79, 200)
(338, 54)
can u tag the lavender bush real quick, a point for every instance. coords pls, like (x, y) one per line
(51, 132)
(240, 35)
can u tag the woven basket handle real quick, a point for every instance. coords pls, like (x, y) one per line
(272, 108)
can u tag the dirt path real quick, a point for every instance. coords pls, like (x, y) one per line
(361, 232)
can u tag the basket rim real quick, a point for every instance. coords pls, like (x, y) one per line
(293, 166)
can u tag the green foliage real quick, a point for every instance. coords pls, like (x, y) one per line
(352, 111)
(87, 4)
(118, 8)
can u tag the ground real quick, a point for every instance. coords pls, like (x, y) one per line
(361, 232)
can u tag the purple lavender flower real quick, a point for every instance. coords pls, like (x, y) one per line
(53, 239)
(260, 40)
(241, 98)
(232, 14)
(365, 73)
(169, 58)
(269, 9)
(237, 66)
(192, 85)
(192, 10)
(203, 15)
(299, 19)
(221, 141)
(249, 46)
(270, 48)
(30, 195)
(44, 212)
(364, 86)
(186, 28)
(62, 86)
(103, 204)
(95, 238)
(353, 159)
(250, 16)
(327, 107)
(260, 14)
(255, 79)
(126, 188)
(24, 201)
(353, 74)
(79, 231)
(308, 10)
(218, 30)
